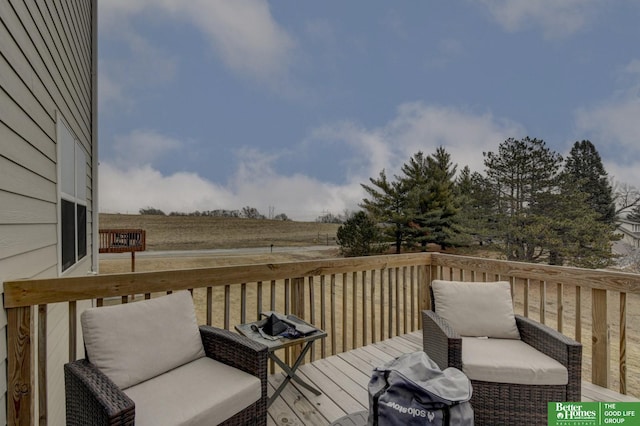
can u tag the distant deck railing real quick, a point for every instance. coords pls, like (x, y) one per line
(357, 300)
(122, 240)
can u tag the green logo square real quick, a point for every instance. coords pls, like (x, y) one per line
(593, 413)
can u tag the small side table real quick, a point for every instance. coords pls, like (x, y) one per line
(281, 343)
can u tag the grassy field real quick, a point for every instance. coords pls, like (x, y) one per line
(199, 232)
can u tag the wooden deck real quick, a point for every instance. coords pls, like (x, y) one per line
(343, 381)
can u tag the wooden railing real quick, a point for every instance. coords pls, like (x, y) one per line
(357, 300)
(122, 240)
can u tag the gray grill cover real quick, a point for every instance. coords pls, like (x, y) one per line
(412, 390)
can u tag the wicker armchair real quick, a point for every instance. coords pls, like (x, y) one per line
(508, 403)
(92, 398)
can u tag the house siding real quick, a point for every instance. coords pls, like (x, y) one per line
(47, 72)
(630, 232)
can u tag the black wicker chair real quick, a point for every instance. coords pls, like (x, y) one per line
(506, 403)
(92, 398)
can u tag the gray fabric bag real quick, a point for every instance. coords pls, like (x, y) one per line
(412, 390)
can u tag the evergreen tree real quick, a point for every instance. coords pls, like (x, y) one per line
(519, 173)
(433, 202)
(414, 180)
(478, 207)
(544, 215)
(584, 167)
(359, 236)
(574, 233)
(388, 204)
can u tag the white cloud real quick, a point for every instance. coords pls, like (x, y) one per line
(419, 127)
(298, 196)
(465, 135)
(373, 151)
(144, 147)
(555, 18)
(110, 91)
(614, 124)
(242, 32)
(633, 67)
(128, 190)
(624, 173)
(257, 182)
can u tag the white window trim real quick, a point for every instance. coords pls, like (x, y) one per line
(62, 195)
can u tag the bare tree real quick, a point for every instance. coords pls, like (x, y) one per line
(626, 197)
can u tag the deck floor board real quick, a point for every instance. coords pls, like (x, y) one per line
(343, 379)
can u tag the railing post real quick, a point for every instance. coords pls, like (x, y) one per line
(425, 276)
(20, 399)
(600, 339)
(297, 297)
(297, 307)
(623, 344)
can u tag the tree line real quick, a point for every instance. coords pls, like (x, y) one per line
(247, 212)
(529, 202)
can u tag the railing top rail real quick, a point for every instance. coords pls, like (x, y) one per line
(120, 230)
(589, 278)
(22, 293)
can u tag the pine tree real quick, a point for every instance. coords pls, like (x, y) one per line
(388, 204)
(359, 236)
(574, 233)
(584, 167)
(433, 200)
(478, 207)
(519, 173)
(543, 214)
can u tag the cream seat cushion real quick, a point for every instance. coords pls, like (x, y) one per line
(476, 309)
(203, 392)
(136, 341)
(509, 361)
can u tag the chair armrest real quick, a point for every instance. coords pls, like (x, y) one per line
(440, 341)
(552, 343)
(234, 350)
(93, 399)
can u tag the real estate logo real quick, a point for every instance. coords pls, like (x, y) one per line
(593, 413)
(569, 413)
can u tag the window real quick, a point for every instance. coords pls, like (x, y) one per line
(73, 197)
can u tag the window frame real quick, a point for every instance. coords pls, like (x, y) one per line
(72, 188)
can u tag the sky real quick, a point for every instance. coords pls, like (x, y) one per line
(289, 106)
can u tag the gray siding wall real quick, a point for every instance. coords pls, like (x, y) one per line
(46, 64)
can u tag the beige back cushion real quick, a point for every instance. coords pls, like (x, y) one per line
(136, 341)
(476, 309)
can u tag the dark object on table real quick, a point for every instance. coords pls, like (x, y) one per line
(273, 326)
(307, 334)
